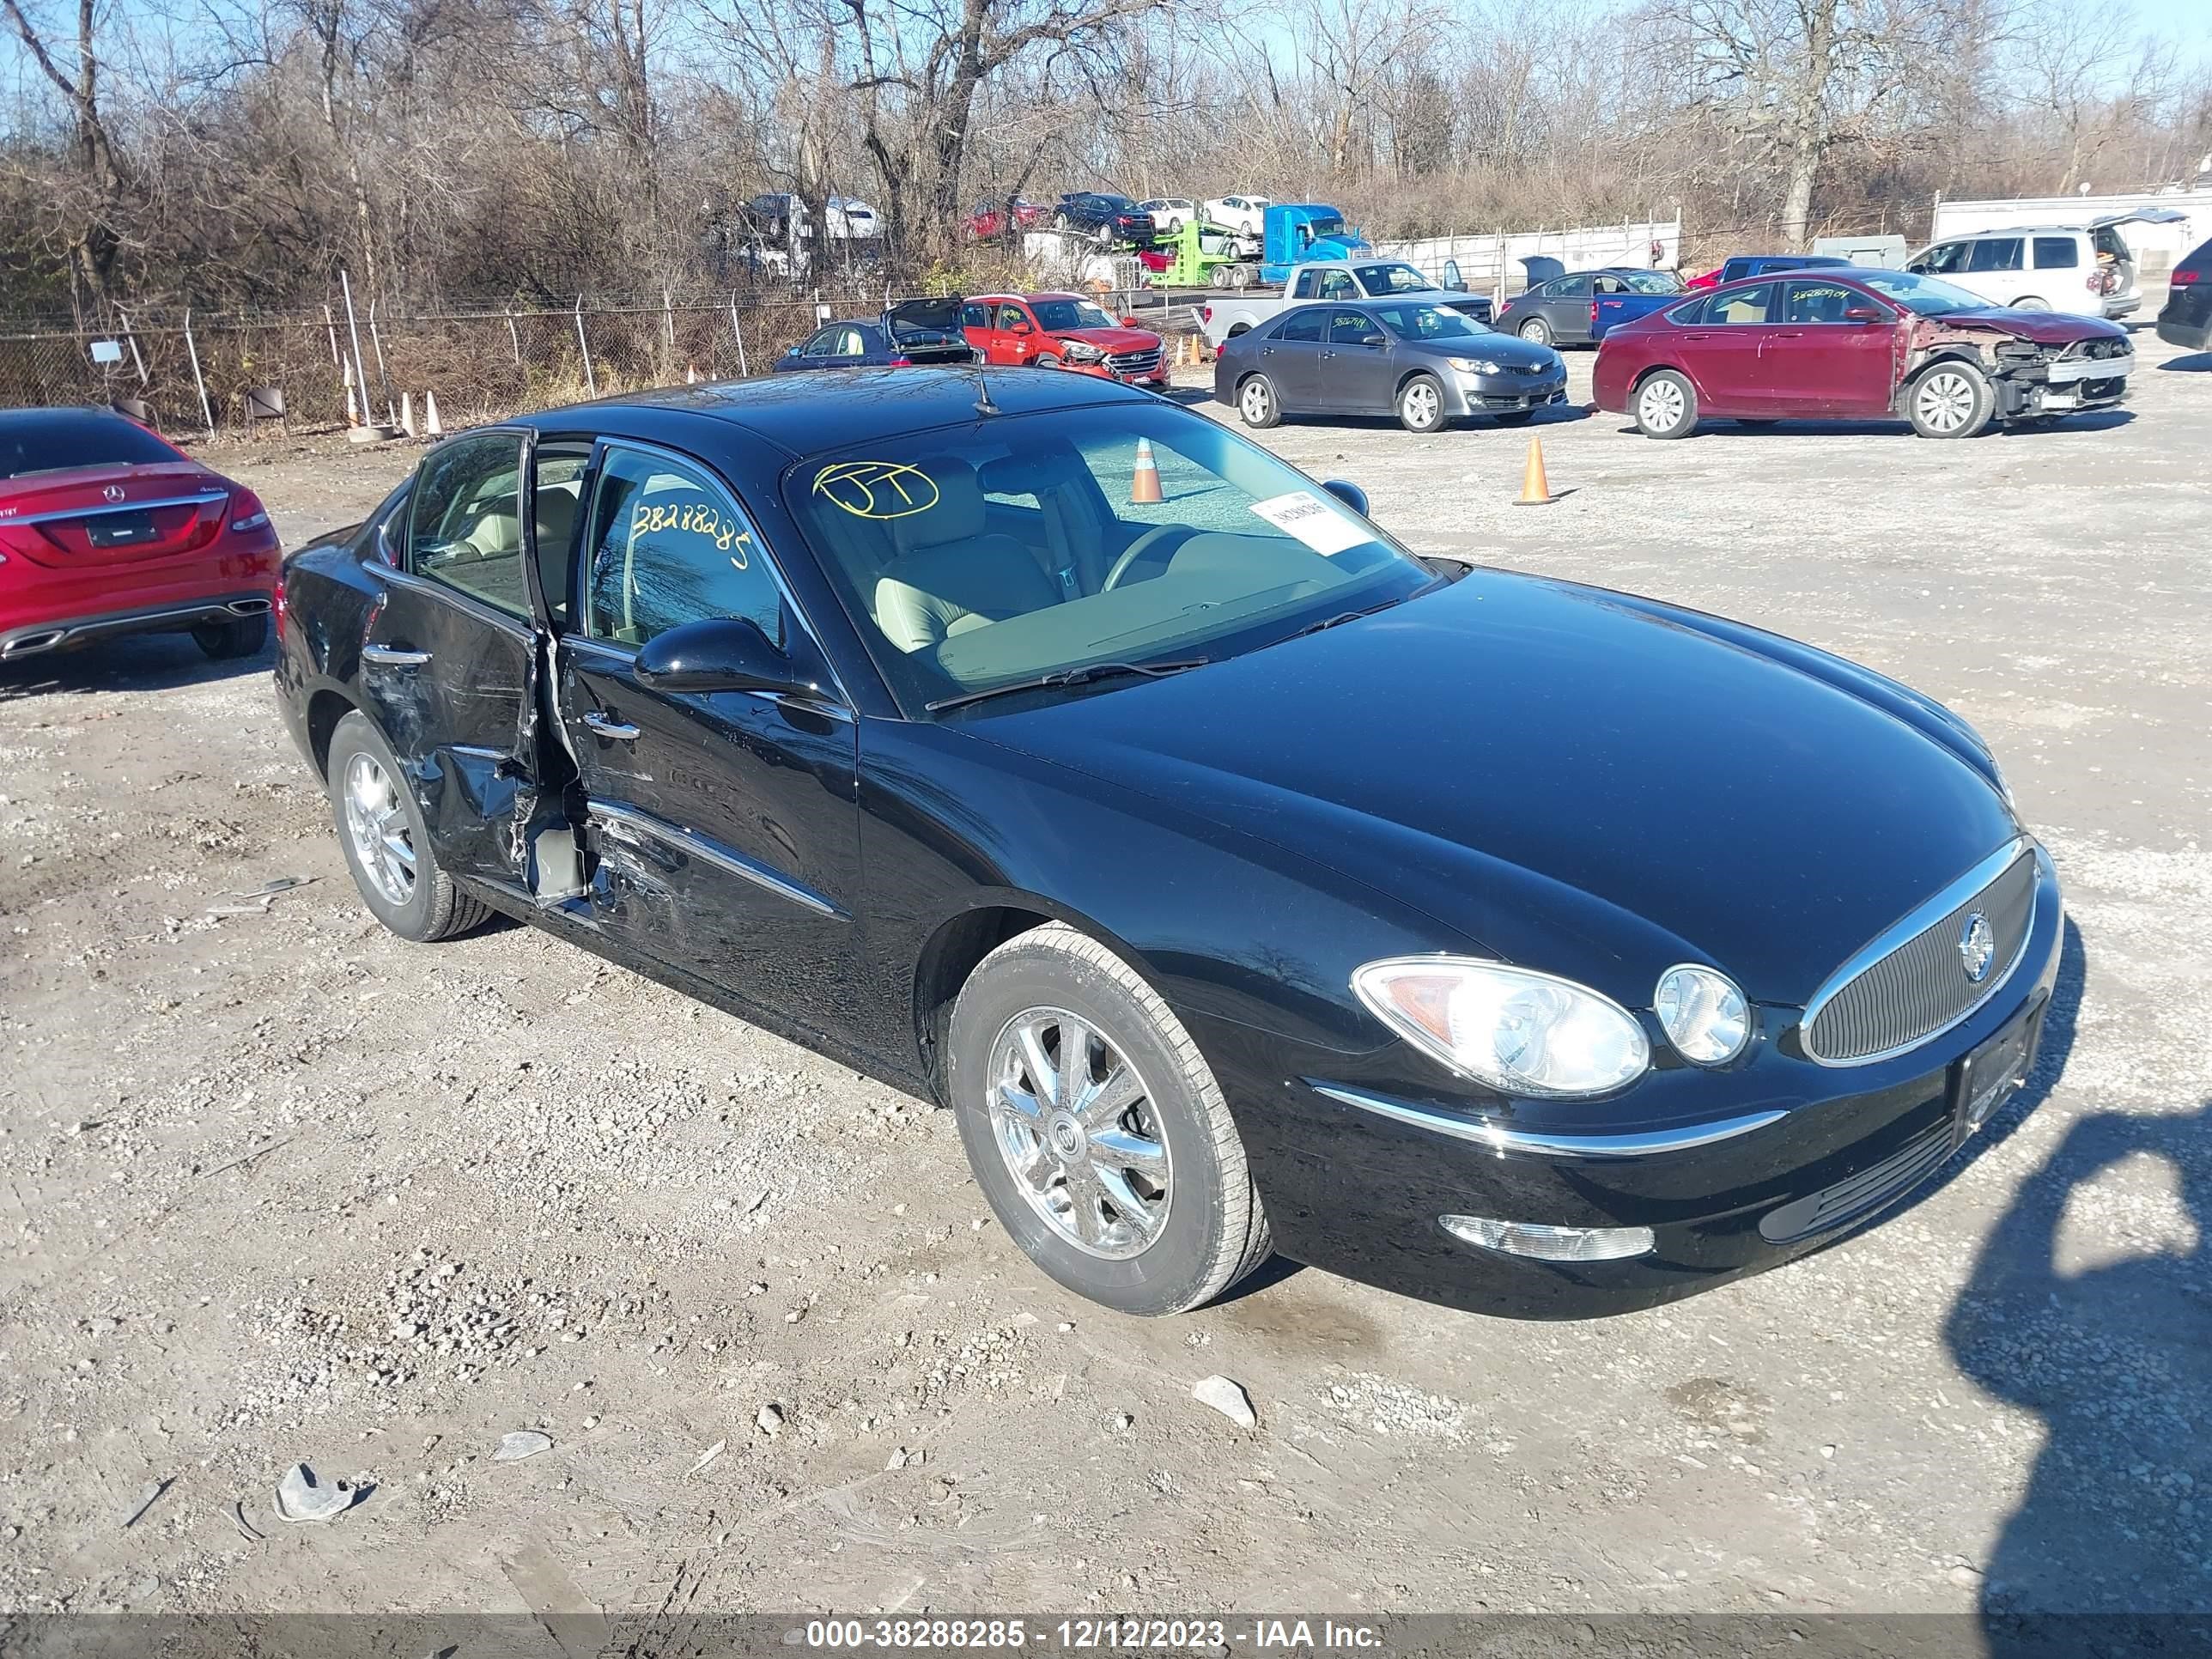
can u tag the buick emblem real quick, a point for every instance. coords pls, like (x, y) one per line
(1977, 945)
(113, 492)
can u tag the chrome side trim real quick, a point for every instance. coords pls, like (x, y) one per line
(1483, 1132)
(1910, 927)
(200, 499)
(694, 845)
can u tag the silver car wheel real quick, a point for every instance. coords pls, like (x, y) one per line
(1254, 401)
(1659, 406)
(1075, 1125)
(1944, 401)
(383, 845)
(1420, 404)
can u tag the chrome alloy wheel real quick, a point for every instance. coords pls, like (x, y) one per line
(1255, 400)
(1659, 405)
(1421, 404)
(382, 843)
(1076, 1126)
(1944, 401)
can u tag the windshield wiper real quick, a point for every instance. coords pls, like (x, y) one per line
(1342, 616)
(1084, 676)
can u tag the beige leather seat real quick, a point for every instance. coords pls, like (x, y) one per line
(950, 574)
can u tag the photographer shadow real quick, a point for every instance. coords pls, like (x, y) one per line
(2116, 1358)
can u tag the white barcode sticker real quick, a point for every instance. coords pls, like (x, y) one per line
(1312, 520)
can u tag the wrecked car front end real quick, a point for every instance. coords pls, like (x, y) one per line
(2038, 364)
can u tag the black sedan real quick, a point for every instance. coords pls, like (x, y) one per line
(2186, 318)
(1239, 879)
(1104, 215)
(911, 331)
(1559, 312)
(1422, 360)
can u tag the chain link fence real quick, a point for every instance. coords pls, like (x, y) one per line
(195, 371)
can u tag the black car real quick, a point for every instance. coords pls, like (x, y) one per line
(1418, 358)
(2186, 319)
(1559, 312)
(1240, 879)
(912, 332)
(1101, 214)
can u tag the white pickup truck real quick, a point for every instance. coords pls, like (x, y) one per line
(1229, 315)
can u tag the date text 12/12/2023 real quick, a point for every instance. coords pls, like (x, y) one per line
(1093, 1634)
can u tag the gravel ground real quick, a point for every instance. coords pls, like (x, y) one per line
(279, 1188)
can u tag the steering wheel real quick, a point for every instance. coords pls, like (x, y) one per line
(1146, 545)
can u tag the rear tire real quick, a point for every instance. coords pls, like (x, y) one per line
(1420, 404)
(234, 636)
(404, 885)
(1953, 398)
(1536, 332)
(1122, 1175)
(1666, 405)
(1257, 403)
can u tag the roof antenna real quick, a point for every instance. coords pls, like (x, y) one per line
(983, 403)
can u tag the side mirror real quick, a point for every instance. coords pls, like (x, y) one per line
(1372, 340)
(1350, 494)
(1862, 314)
(1021, 328)
(718, 653)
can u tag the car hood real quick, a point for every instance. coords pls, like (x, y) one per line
(1110, 339)
(2043, 327)
(1583, 781)
(1508, 351)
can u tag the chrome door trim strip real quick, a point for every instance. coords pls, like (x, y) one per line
(1484, 1132)
(692, 844)
(1910, 927)
(200, 499)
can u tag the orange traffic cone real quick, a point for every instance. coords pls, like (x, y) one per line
(1145, 482)
(1536, 488)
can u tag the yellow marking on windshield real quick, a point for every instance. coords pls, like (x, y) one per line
(878, 490)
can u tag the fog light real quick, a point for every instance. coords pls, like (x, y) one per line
(1533, 1239)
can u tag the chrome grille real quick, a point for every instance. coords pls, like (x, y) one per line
(1134, 362)
(1916, 985)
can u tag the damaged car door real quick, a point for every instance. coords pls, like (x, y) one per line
(725, 820)
(449, 659)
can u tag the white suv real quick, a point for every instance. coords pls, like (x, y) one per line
(2086, 269)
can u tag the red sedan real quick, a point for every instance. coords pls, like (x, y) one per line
(989, 218)
(1874, 344)
(106, 529)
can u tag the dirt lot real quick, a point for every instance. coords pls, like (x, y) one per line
(280, 1187)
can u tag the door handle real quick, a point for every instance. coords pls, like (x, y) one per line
(392, 656)
(606, 727)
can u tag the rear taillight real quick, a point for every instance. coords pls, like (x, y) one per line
(1205, 313)
(2181, 279)
(277, 603)
(901, 362)
(1593, 313)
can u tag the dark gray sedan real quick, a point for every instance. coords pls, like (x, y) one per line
(1417, 359)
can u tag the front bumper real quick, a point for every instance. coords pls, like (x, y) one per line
(2175, 330)
(1788, 1157)
(1505, 394)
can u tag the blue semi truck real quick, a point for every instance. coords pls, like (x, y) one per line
(1292, 233)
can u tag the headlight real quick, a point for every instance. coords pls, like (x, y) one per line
(1704, 1015)
(1474, 365)
(1519, 1032)
(1081, 351)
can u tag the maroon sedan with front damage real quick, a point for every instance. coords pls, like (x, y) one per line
(1857, 345)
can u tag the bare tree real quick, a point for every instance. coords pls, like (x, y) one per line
(2096, 75)
(93, 235)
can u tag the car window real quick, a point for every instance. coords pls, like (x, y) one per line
(1412, 321)
(1059, 315)
(1945, 259)
(668, 546)
(1996, 253)
(1923, 295)
(466, 529)
(821, 343)
(1393, 279)
(1337, 285)
(58, 441)
(1743, 306)
(1351, 327)
(2057, 253)
(949, 593)
(2108, 243)
(1816, 302)
(558, 473)
(1009, 315)
(1650, 281)
(1307, 323)
(1308, 286)
(1571, 287)
(975, 316)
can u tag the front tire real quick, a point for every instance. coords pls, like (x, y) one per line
(1045, 360)
(387, 842)
(234, 636)
(1096, 1130)
(1952, 399)
(2031, 302)
(1257, 403)
(1667, 405)
(1421, 404)
(1536, 332)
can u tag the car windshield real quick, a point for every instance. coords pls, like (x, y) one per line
(1057, 315)
(1333, 225)
(1924, 294)
(1023, 546)
(1393, 279)
(1427, 322)
(63, 440)
(1649, 281)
